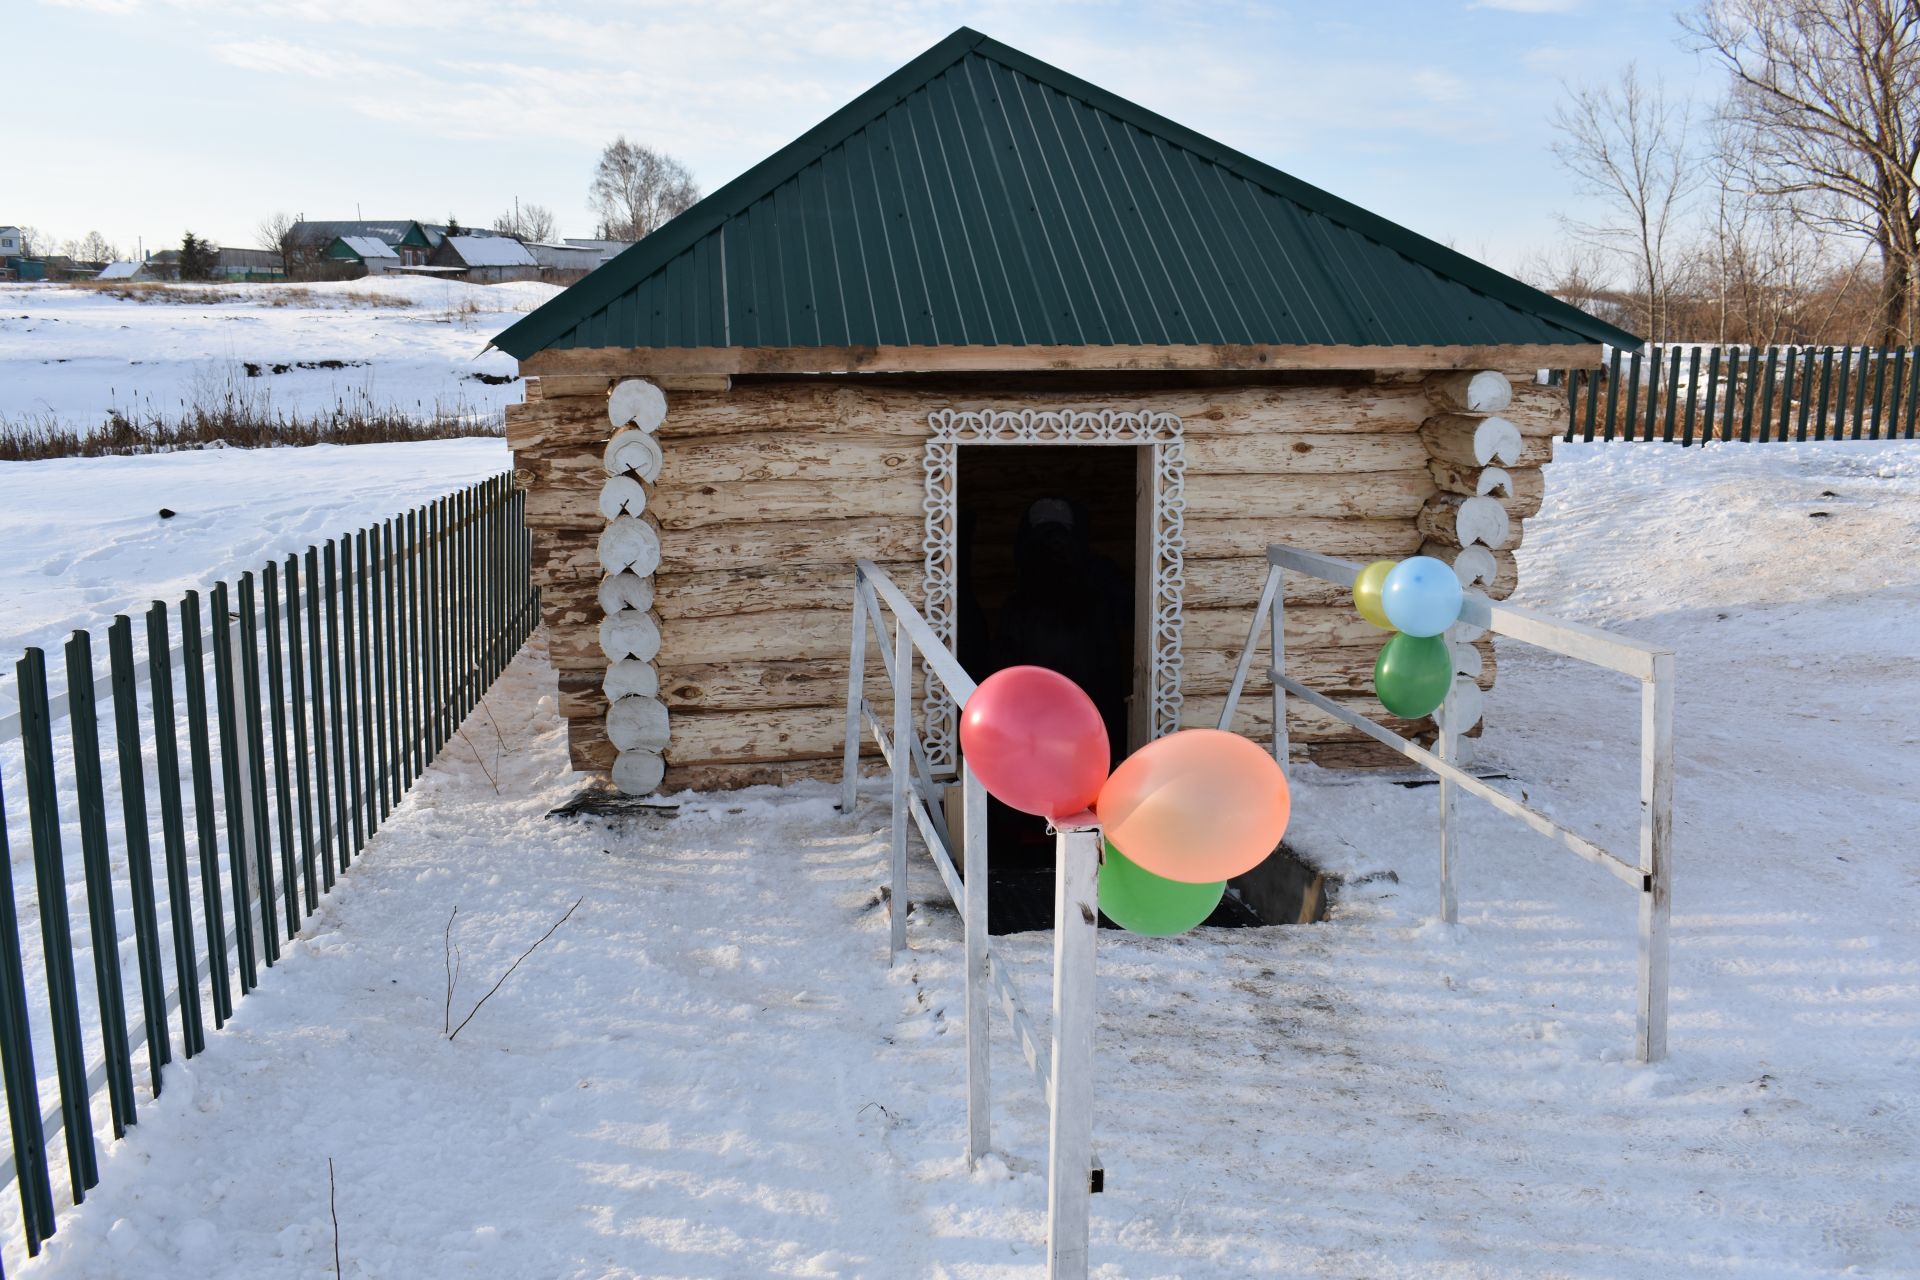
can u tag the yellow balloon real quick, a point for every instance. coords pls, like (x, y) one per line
(1366, 593)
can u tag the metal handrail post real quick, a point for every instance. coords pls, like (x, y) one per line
(856, 690)
(974, 921)
(1656, 847)
(1277, 650)
(901, 767)
(1446, 747)
(1076, 921)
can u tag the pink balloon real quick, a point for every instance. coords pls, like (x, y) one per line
(1197, 806)
(1036, 741)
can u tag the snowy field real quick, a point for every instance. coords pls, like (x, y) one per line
(709, 1071)
(412, 345)
(85, 539)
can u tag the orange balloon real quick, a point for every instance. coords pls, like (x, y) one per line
(1197, 806)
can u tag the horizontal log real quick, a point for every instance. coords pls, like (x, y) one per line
(731, 777)
(566, 384)
(1349, 539)
(633, 452)
(638, 772)
(781, 634)
(1326, 626)
(624, 591)
(725, 591)
(1365, 495)
(566, 556)
(630, 544)
(638, 723)
(1305, 452)
(1538, 410)
(1473, 441)
(1452, 520)
(1520, 489)
(1484, 391)
(747, 683)
(657, 361)
(791, 456)
(1237, 583)
(622, 495)
(835, 543)
(630, 677)
(761, 735)
(636, 403)
(581, 695)
(900, 495)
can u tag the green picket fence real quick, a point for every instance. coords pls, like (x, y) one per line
(336, 678)
(1687, 392)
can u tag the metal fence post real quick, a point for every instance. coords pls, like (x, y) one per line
(236, 794)
(317, 696)
(194, 667)
(91, 803)
(302, 766)
(974, 921)
(1656, 848)
(337, 737)
(166, 754)
(902, 779)
(133, 813)
(254, 765)
(56, 930)
(282, 778)
(1076, 921)
(16, 1064)
(856, 691)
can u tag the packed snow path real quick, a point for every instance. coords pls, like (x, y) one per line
(710, 1071)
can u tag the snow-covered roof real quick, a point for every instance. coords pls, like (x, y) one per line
(368, 247)
(490, 251)
(118, 271)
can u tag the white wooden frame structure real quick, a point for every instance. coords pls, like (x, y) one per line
(1651, 665)
(1063, 1073)
(1159, 558)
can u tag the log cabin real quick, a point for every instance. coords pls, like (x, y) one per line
(986, 314)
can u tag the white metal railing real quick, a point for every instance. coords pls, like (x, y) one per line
(1063, 1073)
(1649, 873)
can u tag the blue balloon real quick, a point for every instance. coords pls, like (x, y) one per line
(1422, 596)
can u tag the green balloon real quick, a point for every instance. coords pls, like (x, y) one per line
(1413, 675)
(1142, 902)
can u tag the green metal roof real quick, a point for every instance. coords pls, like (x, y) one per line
(978, 196)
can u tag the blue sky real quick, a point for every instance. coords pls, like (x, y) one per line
(149, 117)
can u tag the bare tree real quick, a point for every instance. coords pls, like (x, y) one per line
(636, 189)
(1626, 145)
(34, 242)
(528, 222)
(92, 247)
(1826, 104)
(275, 235)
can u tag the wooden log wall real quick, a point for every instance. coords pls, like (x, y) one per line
(769, 488)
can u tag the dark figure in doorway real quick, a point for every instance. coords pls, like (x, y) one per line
(1070, 611)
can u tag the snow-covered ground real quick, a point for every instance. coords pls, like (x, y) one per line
(710, 1071)
(85, 540)
(405, 344)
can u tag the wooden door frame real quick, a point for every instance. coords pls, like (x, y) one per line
(1159, 530)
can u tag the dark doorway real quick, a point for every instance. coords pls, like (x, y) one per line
(1048, 553)
(1046, 548)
